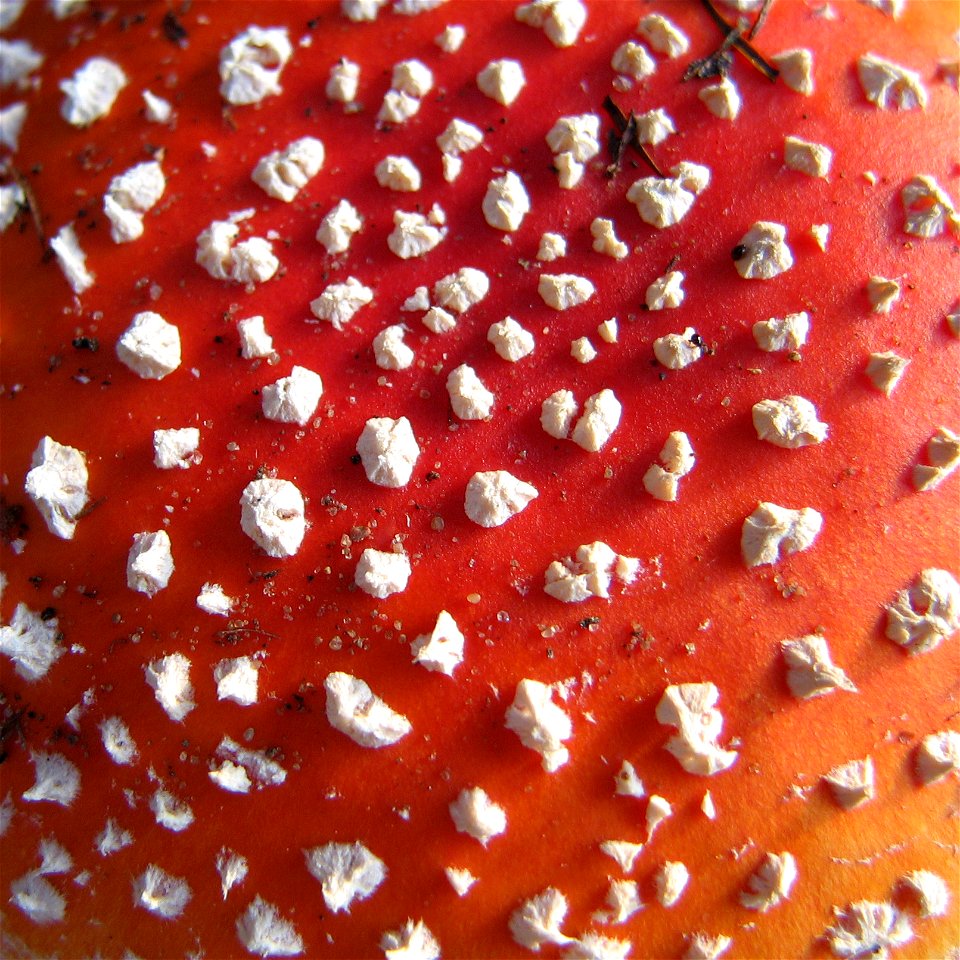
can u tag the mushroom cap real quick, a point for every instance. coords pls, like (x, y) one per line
(695, 613)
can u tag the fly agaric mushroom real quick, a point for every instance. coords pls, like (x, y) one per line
(172, 784)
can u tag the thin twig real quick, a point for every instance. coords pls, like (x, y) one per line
(626, 127)
(232, 633)
(32, 205)
(761, 19)
(739, 43)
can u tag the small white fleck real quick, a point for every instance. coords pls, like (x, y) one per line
(764, 253)
(355, 711)
(805, 156)
(251, 64)
(346, 872)
(91, 92)
(502, 80)
(265, 933)
(890, 86)
(722, 99)
(852, 783)
(160, 893)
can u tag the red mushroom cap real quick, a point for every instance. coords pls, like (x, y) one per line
(176, 781)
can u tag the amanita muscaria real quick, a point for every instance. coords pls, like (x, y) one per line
(145, 817)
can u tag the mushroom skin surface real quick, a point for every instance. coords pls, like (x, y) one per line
(689, 611)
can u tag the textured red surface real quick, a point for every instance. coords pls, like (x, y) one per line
(705, 615)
